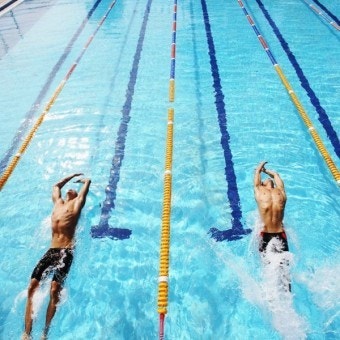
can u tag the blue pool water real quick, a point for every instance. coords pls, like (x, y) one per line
(231, 112)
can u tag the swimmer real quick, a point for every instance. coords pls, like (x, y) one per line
(271, 200)
(58, 258)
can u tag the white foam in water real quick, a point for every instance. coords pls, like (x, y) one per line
(277, 297)
(323, 283)
(43, 233)
(269, 291)
(18, 299)
(39, 297)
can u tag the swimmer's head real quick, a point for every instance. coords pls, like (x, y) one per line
(71, 194)
(269, 183)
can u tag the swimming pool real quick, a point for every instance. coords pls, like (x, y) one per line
(231, 112)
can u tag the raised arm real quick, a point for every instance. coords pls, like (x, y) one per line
(81, 198)
(278, 181)
(257, 175)
(56, 191)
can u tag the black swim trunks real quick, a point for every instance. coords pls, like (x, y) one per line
(280, 246)
(267, 237)
(58, 260)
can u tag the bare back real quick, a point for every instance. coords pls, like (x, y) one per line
(271, 203)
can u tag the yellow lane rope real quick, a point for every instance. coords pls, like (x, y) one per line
(324, 153)
(10, 168)
(163, 279)
(318, 142)
(165, 232)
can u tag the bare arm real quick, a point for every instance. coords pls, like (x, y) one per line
(278, 181)
(257, 175)
(56, 192)
(83, 191)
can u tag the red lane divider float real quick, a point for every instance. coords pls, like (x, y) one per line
(323, 15)
(163, 279)
(10, 168)
(303, 114)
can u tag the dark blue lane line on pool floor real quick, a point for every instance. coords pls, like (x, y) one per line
(103, 229)
(237, 231)
(30, 114)
(325, 9)
(323, 117)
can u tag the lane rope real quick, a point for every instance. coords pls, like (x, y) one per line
(314, 100)
(173, 56)
(303, 114)
(25, 123)
(322, 14)
(163, 279)
(15, 160)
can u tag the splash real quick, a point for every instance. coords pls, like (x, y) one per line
(323, 282)
(268, 286)
(40, 296)
(18, 299)
(276, 286)
(277, 298)
(42, 233)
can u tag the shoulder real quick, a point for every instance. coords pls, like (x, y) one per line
(58, 203)
(280, 189)
(260, 191)
(280, 192)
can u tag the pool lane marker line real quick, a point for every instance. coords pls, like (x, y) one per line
(103, 229)
(163, 279)
(329, 13)
(237, 231)
(322, 15)
(30, 114)
(8, 171)
(318, 142)
(323, 117)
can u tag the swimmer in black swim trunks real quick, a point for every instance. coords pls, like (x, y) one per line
(58, 260)
(59, 257)
(267, 237)
(276, 243)
(271, 200)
